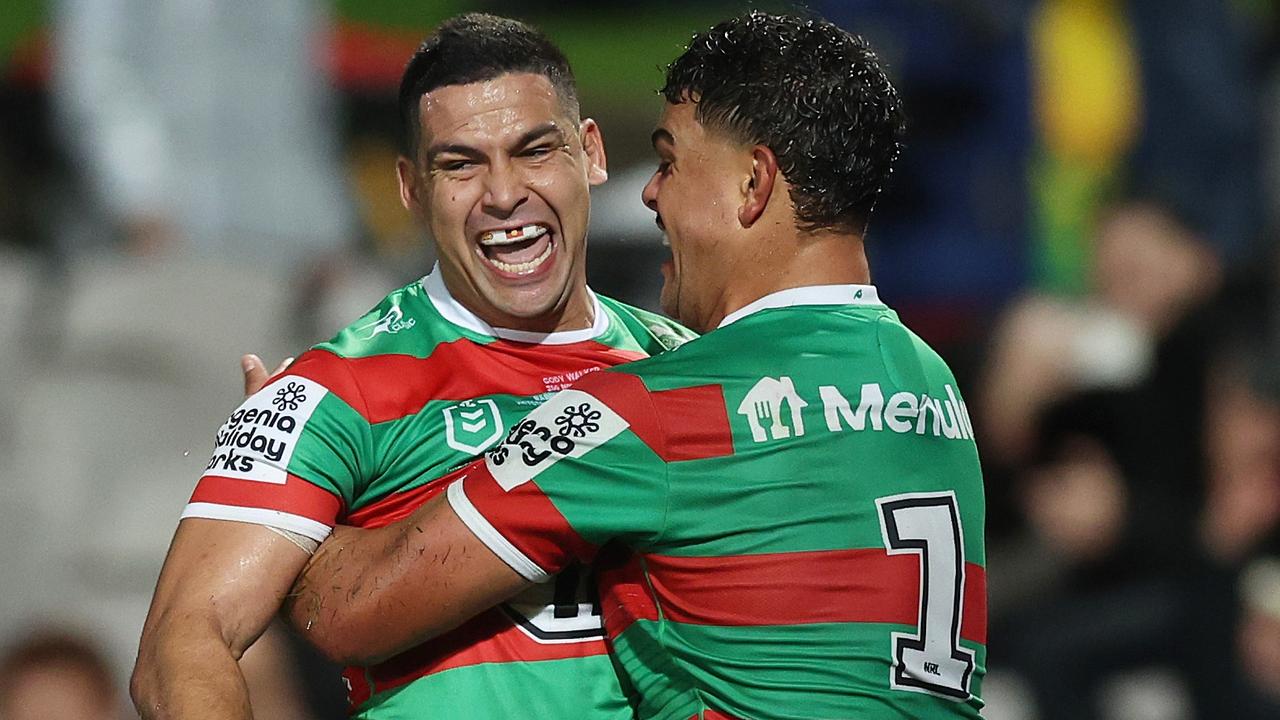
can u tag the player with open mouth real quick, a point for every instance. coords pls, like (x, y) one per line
(518, 252)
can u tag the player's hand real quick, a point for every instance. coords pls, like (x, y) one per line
(255, 372)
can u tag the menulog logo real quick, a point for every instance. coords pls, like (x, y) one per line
(774, 411)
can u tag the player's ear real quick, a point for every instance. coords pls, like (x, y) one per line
(593, 147)
(407, 174)
(757, 187)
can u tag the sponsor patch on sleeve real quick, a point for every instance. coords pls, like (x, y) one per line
(570, 424)
(259, 438)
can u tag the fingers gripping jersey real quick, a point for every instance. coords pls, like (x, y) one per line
(361, 430)
(801, 505)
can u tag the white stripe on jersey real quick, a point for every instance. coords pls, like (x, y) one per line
(317, 531)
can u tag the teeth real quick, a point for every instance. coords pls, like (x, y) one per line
(523, 268)
(515, 235)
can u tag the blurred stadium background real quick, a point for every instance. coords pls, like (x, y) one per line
(1084, 223)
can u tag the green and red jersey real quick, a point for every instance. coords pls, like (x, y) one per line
(360, 430)
(787, 514)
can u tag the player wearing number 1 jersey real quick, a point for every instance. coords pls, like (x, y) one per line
(804, 519)
(787, 512)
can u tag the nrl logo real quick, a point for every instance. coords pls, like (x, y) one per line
(472, 425)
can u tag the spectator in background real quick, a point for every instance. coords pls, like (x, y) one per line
(202, 126)
(1111, 412)
(1258, 635)
(55, 675)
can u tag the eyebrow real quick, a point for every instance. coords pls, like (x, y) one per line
(533, 134)
(662, 135)
(537, 133)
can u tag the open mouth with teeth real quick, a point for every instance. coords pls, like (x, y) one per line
(517, 251)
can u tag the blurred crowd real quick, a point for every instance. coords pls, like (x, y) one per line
(1084, 223)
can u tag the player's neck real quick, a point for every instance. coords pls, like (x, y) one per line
(823, 258)
(802, 260)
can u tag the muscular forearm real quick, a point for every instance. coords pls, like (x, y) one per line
(367, 595)
(221, 585)
(347, 604)
(184, 671)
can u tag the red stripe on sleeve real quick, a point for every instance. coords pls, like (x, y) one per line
(626, 395)
(681, 424)
(865, 585)
(331, 371)
(296, 496)
(527, 519)
(696, 421)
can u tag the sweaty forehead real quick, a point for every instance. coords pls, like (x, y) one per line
(678, 128)
(505, 105)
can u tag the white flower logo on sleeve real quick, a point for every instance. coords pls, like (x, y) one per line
(258, 440)
(570, 424)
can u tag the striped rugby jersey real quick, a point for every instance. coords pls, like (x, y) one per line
(360, 430)
(787, 512)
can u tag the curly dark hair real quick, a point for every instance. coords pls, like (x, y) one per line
(814, 94)
(475, 47)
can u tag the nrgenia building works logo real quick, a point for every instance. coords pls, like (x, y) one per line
(258, 440)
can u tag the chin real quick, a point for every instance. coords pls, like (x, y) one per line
(668, 304)
(535, 302)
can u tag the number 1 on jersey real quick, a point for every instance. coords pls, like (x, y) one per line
(932, 661)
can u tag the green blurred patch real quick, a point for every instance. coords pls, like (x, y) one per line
(399, 14)
(619, 55)
(617, 52)
(19, 20)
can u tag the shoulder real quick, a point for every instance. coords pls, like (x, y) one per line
(404, 322)
(649, 327)
(388, 329)
(679, 415)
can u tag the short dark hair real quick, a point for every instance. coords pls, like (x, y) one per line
(475, 47)
(814, 94)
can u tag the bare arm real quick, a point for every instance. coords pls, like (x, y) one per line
(221, 585)
(367, 595)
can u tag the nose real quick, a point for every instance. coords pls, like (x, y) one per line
(505, 189)
(650, 193)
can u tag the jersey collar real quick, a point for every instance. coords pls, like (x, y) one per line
(808, 295)
(453, 311)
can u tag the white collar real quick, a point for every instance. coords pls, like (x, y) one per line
(453, 311)
(808, 295)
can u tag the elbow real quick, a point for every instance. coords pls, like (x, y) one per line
(144, 685)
